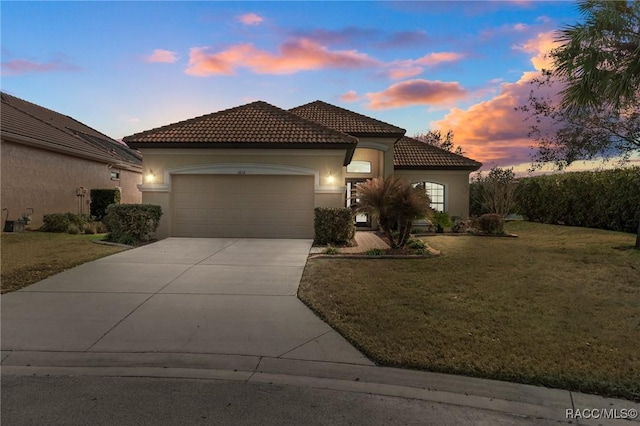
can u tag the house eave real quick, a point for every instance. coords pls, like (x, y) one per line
(463, 168)
(36, 143)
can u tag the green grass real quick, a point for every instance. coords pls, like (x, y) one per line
(558, 306)
(32, 256)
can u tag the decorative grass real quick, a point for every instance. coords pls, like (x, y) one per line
(32, 256)
(558, 306)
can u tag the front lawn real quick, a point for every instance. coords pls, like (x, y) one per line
(32, 256)
(558, 306)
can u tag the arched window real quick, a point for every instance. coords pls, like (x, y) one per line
(359, 166)
(435, 192)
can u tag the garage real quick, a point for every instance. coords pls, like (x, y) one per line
(243, 206)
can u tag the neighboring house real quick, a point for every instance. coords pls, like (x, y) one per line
(50, 162)
(259, 171)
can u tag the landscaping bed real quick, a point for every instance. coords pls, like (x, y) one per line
(559, 307)
(32, 256)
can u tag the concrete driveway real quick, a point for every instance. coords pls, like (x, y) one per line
(176, 296)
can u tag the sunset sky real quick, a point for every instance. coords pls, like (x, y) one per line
(125, 67)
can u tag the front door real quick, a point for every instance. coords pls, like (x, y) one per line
(363, 220)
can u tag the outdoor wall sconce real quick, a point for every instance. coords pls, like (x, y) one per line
(330, 179)
(150, 176)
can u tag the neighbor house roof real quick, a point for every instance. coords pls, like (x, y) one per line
(31, 124)
(346, 121)
(412, 154)
(254, 125)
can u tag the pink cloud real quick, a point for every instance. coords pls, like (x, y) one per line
(540, 46)
(350, 96)
(250, 19)
(25, 66)
(436, 58)
(493, 131)
(402, 73)
(416, 92)
(161, 55)
(408, 68)
(293, 56)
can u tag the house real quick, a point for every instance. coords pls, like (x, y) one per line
(259, 171)
(50, 162)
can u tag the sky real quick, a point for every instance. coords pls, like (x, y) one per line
(126, 67)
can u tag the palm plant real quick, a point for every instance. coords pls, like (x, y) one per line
(395, 204)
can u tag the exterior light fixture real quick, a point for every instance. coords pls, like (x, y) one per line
(330, 178)
(150, 176)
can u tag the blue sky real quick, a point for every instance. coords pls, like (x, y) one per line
(125, 67)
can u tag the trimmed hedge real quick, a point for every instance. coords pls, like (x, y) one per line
(63, 222)
(132, 223)
(333, 225)
(101, 199)
(607, 199)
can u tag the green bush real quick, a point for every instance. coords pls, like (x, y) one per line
(490, 223)
(442, 219)
(101, 199)
(416, 244)
(331, 250)
(607, 199)
(131, 223)
(375, 252)
(61, 222)
(333, 225)
(73, 229)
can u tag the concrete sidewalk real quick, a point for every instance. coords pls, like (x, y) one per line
(226, 309)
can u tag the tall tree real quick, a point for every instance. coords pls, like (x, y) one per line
(588, 105)
(437, 139)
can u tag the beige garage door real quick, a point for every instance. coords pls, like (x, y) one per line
(247, 206)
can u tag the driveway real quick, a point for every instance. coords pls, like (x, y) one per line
(176, 296)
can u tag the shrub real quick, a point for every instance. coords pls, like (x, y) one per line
(442, 219)
(61, 222)
(101, 199)
(90, 228)
(396, 204)
(131, 223)
(56, 222)
(416, 244)
(333, 225)
(493, 193)
(375, 252)
(490, 223)
(608, 199)
(73, 229)
(331, 250)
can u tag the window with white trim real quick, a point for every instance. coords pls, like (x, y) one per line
(359, 167)
(435, 192)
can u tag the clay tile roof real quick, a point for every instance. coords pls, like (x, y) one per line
(411, 153)
(26, 122)
(346, 121)
(255, 124)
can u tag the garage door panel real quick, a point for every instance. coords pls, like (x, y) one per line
(243, 206)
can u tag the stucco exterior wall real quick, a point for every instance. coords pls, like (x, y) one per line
(165, 163)
(46, 181)
(456, 187)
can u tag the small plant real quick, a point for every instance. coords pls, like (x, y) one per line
(331, 250)
(442, 219)
(375, 252)
(416, 244)
(491, 223)
(460, 226)
(90, 228)
(73, 229)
